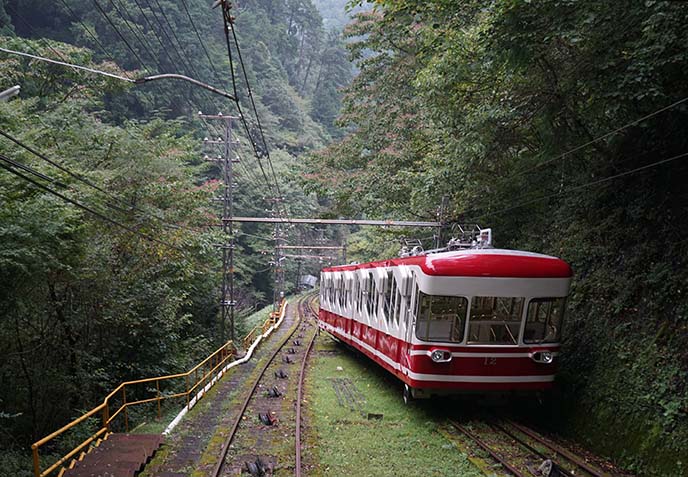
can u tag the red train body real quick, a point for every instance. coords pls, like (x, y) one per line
(451, 322)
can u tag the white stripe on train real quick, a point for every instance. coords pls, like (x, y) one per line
(443, 377)
(477, 355)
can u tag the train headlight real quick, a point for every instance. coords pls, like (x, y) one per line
(441, 356)
(545, 357)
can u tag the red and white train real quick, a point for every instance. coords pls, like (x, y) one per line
(471, 319)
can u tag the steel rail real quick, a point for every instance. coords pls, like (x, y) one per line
(487, 449)
(217, 470)
(559, 450)
(524, 443)
(299, 398)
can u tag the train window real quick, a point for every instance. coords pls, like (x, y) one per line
(360, 298)
(341, 292)
(495, 320)
(543, 323)
(441, 318)
(371, 301)
(389, 297)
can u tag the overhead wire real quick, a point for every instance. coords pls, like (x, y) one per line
(255, 110)
(602, 137)
(86, 207)
(137, 33)
(91, 34)
(174, 33)
(70, 65)
(41, 39)
(31, 170)
(129, 46)
(125, 206)
(200, 40)
(152, 30)
(227, 27)
(109, 20)
(588, 184)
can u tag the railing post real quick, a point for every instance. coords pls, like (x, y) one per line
(36, 462)
(157, 387)
(124, 403)
(187, 392)
(106, 415)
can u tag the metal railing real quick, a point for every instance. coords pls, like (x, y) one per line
(116, 404)
(271, 320)
(173, 386)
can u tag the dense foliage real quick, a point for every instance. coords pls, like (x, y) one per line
(86, 303)
(504, 107)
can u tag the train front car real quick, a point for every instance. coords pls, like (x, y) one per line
(469, 320)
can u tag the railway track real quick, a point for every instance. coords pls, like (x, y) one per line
(522, 452)
(271, 389)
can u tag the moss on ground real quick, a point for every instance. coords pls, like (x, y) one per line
(407, 441)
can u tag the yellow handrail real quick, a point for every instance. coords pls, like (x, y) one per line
(271, 320)
(197, 375)
(192, 381)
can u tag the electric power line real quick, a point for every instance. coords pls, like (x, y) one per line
(88, 31)
(109, 20)
(138, 33)
(126, 207)
(575, 188)
(31, 171)
(205, 50)
(227, 20)
(87, 208)
(174, 33)
(600, 138)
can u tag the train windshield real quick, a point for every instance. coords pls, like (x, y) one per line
(495, 320)
(441, 318)
(543, 323)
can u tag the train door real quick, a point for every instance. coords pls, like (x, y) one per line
(411, 310)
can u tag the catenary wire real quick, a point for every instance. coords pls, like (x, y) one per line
(87, 208)
(109, 20)
(126, 207)
(604, 136)
(589, 184)
(91, 34)
(137, 33)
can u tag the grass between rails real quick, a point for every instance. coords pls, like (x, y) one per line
(407, 441)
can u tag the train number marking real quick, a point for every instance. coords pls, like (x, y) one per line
(490, 361)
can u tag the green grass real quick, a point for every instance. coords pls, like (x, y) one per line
(408, 440)
(259, 317)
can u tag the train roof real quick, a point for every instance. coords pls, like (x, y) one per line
(477, 263)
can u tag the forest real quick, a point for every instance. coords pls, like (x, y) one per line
(130, 287)
(560, 124)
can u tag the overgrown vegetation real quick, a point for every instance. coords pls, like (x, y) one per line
(86, 303)
(546, 121)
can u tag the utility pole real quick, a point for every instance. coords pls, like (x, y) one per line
(226, 161)
(278, 257)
